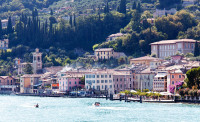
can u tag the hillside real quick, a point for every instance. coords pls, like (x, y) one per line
(58, 27)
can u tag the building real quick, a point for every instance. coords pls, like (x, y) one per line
(160, 81)
(174, 77)
(7, 84)
(123, 81)
(112, 37)
(4, 44)
(107, 53)
(100, 80)
(166, 48)
(144, 79)
(4, 23)
(37, 61)
(146, 60)
(21, 67)
(160, 13)
(30, 83)
(188, 2)
(70, 82)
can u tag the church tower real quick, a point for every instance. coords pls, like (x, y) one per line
(37, 61)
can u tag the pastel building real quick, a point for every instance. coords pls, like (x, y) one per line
(174, 77)
(29, 83)
(70, 82)
(163, 49)
(146, 60)
(160, 81)
(123, 81)
(107, 53)
(7, 83)
(144, 79)
(99, 80)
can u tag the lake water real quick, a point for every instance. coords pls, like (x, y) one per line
(21, 108)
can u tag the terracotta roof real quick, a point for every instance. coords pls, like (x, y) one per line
(145, 58)
(173, 41)
(104, 49)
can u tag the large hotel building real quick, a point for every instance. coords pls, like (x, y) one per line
(167, 48)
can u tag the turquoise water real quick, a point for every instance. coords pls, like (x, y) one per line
(20, 108)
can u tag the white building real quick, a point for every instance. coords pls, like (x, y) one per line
(99, 80)
(166, 48)
(160, 13)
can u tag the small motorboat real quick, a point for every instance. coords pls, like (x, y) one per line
(97, 103)
(36, 106)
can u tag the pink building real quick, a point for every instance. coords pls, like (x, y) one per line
(70, 82)
(175, 77)
(123, 81)
(166, 48)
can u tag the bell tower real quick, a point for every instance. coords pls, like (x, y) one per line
(37, 61)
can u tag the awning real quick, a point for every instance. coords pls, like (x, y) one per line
(132, 91)
(165, 93)
(160, 75)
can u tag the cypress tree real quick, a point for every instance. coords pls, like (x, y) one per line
(9, 26)
(70, 20)
(134, 5)
(196, 49)
(1, 30)
(123, 6)
(51, 12)
(138, 7)
(74, 20)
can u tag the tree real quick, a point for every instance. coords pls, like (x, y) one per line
(82, 80)
(196, 49)
(28, 69)
(74, 20)
(193, 78)
(134, 5)
(138, 7)
(70, 20)
(1, 30)
(9, 26)
(122, 7)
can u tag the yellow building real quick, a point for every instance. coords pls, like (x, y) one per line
(28, 82)
(146, 60)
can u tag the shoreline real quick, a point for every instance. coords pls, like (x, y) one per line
(196, 102)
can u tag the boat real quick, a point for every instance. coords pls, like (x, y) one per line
(97, 104)
(36, 106)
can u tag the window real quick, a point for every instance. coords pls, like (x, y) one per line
(110, 81)
(105, 76)
(179, 76)
(11, 82)
(75, 82)
(93, 87)
(106, 87)
(93, 76)
(97, 81)
(89, 76)
(172, 82)
(69, 82)
(97, 76)
(109, 76)
(121, 86)
(110, 86)
(70, 88)
(172, 76)
(102, 76)
(102, 86)
(192, 46)
(102, 81)
(120, 79)
(106, 81)
(93, 81)
(86, 76)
